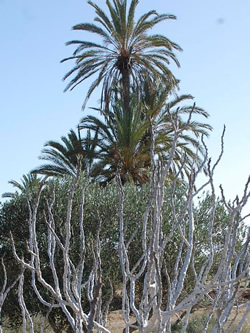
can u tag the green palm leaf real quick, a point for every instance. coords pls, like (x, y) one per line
(127, 56)
(64, 157)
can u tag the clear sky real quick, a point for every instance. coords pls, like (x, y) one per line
(214, 35)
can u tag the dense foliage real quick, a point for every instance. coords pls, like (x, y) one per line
(101, 212)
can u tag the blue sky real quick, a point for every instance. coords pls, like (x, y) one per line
(214, 35)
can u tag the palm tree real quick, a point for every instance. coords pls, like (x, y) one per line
(120, 145)
(124, 139)
(164, 115)
(29, 186)
(64, 158)
(128, 56)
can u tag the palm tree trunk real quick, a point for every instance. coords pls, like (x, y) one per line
(126, 88)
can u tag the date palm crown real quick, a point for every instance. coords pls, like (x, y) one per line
(128, 56)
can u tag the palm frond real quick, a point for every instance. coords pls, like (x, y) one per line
(128, 54)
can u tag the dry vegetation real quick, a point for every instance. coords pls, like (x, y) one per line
(116, 323)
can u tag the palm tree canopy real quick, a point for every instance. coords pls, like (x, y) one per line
(124, 139)
(120, 145)
(64, 158)
(170, 115)
(28, 186)
(128, 56)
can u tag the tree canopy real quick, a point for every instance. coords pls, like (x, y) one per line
(128, 55)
